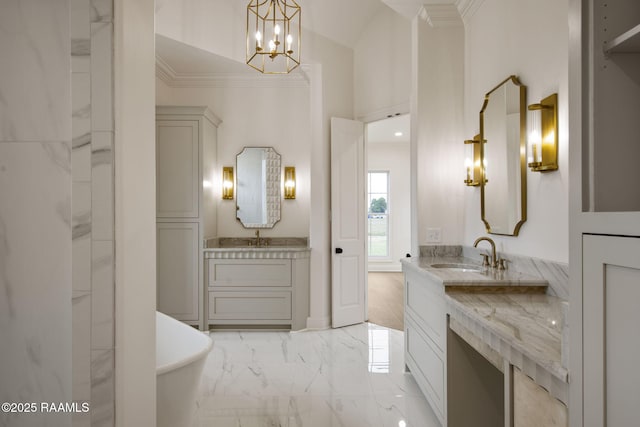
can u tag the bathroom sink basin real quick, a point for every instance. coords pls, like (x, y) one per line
(458, 267)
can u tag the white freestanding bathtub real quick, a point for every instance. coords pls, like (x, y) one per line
(180, 355)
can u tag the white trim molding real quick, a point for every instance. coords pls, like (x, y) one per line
(441, 15)
(468, 8)
(172, 78)
(385, 113)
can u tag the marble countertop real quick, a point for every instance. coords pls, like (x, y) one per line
(529, 331)
(520, 324)
(488, 277)
(532, 324)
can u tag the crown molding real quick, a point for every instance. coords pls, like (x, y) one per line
(468, 8)
(385, 113)
(441, 15)
(295, 79)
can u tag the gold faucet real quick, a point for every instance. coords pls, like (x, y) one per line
(259, 241)
(494, 261)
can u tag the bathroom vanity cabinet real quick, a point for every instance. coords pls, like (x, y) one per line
(186, 143)
(485, 348)
(257, 288)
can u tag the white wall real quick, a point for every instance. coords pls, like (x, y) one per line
(382, 65)
(437, 119)
(257, 117)
(394, 157)
(530, 40)
(214, 26)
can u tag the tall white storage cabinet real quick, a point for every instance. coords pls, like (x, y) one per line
(605, 212)
(186, 144)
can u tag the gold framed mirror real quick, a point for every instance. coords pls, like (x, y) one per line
(258, 178)
(503, 125)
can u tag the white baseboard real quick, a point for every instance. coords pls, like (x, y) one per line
(318, 323)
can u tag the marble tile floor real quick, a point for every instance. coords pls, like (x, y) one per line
(347, 377)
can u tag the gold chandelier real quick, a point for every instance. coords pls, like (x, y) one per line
(273, 35)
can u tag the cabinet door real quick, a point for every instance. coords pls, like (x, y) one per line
(611, 343)
(177, 183)
(177, 270)
(427, 365)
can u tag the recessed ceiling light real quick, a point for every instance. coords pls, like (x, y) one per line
(398, 134)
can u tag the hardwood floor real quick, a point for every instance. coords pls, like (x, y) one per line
(386, 300)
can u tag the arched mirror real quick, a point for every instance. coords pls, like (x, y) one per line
(502, 130)
(258, 187)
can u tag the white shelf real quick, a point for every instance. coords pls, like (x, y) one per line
(628, 42)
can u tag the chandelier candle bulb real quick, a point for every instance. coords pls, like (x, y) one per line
(258, 41)
(273, 26)
(289, 42)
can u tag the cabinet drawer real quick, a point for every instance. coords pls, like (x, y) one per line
(246, 273)
(275, 305)
(425, 301)
(428, 366)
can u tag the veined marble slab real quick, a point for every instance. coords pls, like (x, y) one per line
(526, 330)
(246, 242)
(488, 277)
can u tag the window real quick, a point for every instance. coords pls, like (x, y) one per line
(378, 214)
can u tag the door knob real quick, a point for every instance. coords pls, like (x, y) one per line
(338, 250)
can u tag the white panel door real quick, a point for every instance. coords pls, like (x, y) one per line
(177, 171)
(347, 222)
(611, 295)
(178, 269)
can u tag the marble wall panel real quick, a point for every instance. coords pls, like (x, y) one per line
(81, 234)
(102, 321)
(81, 125)
(102, 76)
(34, 89)
(101, 10)
(35, 277)
(81, 351)
(102, 196)
(80, 26)
(556, 273)
(102, 388)
(92, 63)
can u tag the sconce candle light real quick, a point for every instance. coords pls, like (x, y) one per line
(543, 135)
(473, 166)
(289, 182)
(227, 183)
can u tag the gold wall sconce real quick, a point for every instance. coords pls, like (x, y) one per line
(227, 183)
(289, 182)
(473, 163)
(543, 135)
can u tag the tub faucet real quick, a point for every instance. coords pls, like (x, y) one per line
(494, 260)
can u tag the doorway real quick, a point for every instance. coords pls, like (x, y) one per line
(388, 217)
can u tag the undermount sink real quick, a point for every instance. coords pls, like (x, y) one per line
(458, 267)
